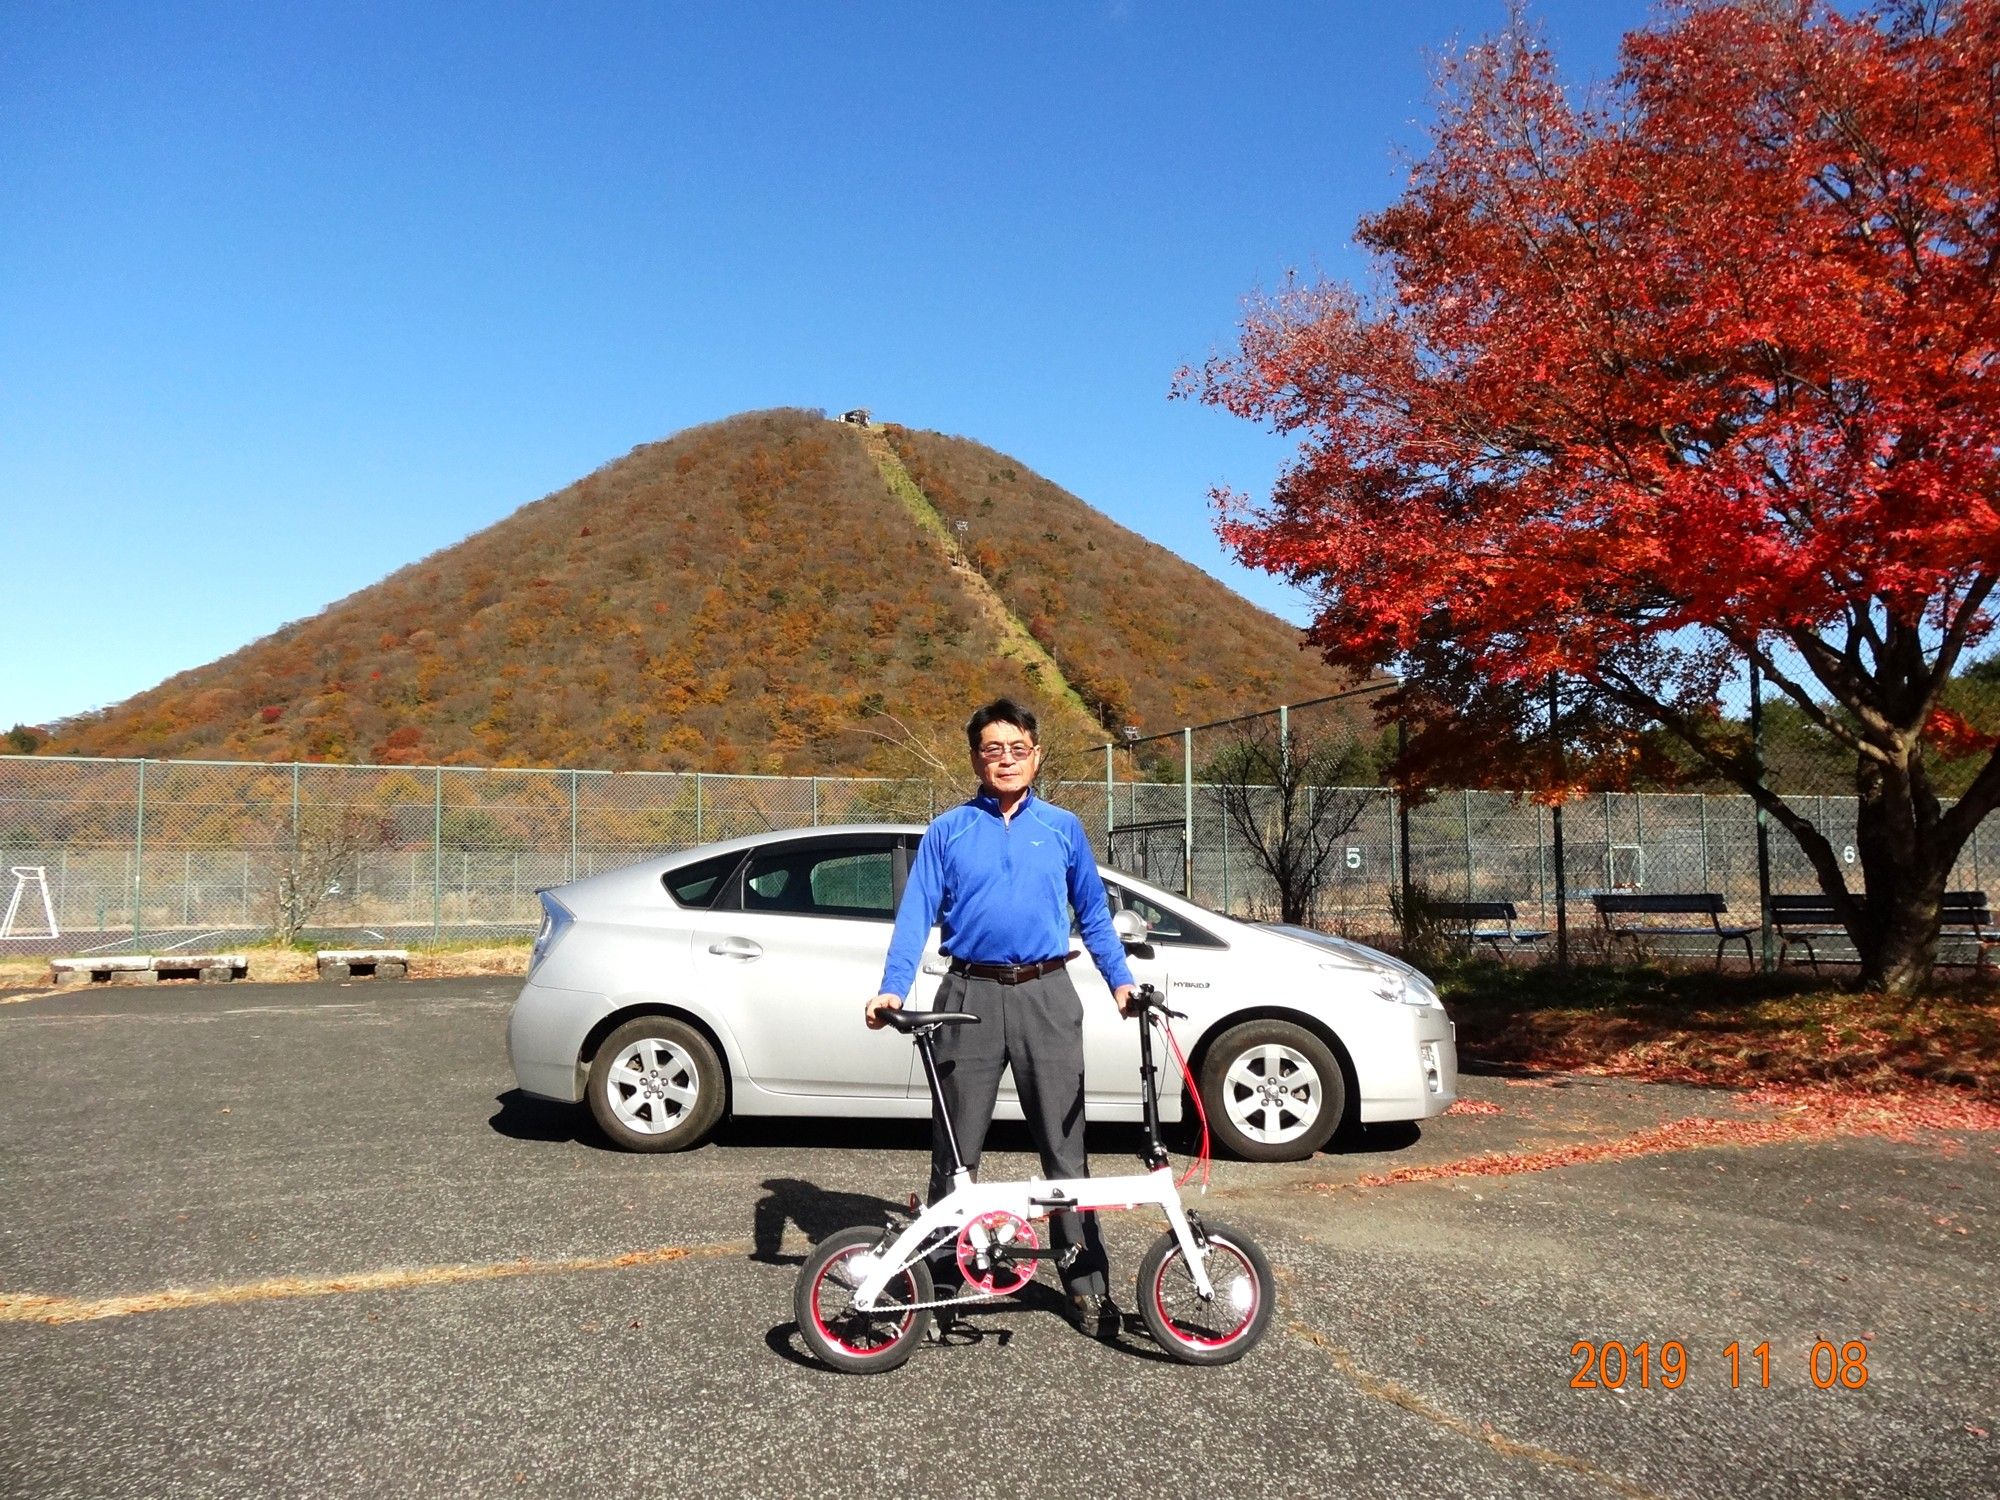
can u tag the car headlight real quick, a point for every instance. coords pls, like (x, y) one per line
(1395, 987)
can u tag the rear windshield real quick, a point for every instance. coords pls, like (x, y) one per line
(700, 883)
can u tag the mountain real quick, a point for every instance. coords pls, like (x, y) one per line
(774, 592)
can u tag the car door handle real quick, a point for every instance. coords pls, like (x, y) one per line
(937, 966)
(735, 947)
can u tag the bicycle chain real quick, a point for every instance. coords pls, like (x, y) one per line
(896, 1307)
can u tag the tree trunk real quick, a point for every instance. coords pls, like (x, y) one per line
(1899, 942)
(1906, 861)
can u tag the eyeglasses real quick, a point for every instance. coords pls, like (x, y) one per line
(995, 754)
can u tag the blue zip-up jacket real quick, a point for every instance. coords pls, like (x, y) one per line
(1010, 887)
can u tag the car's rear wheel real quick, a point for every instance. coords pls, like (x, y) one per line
(1273, 1091)
(656, 1085)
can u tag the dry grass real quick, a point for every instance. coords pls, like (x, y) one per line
(271, 964)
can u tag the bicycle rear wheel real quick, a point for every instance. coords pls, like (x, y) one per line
(1219, 1329)
(860, 1343)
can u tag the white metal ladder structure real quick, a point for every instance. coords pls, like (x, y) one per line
(25, 876)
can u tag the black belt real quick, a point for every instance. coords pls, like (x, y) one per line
(1009, 973)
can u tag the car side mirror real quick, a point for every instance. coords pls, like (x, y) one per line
(1132, 929)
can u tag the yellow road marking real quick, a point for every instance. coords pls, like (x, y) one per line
(31, 1307)
(1384, 1389)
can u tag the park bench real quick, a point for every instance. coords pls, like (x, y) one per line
(149, 968)
(361, 963)
(1798, 920)
(1971, 914)
(1471, 921)
(1635, 917)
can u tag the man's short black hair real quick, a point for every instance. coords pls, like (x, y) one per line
(999, 711)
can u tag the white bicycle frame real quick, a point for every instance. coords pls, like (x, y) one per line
(968, 1201)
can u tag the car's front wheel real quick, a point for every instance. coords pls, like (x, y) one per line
(656, 1085)
(1272, 1090)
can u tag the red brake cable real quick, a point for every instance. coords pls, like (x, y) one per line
(1201, 1161)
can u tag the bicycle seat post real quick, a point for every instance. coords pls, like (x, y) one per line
(922, 1037)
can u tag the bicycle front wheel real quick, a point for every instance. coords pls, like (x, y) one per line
(861, 1343)
(1211, 1331)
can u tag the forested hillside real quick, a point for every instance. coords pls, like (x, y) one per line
(750, 595)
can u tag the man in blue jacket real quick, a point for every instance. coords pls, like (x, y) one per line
(1006, 869)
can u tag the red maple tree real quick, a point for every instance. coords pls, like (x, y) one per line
(1696, 373)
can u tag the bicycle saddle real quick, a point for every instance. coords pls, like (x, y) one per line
(907, 1021)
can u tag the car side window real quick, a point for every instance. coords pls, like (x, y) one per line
(1168, 927)
(842, 881)
(699, 884)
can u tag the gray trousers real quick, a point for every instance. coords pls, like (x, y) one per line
(1037, 1030)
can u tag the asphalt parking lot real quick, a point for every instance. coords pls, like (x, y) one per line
(273, 1240)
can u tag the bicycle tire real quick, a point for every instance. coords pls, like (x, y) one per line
(1214, 1332)
(852, 1342)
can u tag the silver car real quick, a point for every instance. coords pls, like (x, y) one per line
(731, 979)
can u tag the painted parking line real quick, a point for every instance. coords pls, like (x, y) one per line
(1381, 1388)
(32, 1307)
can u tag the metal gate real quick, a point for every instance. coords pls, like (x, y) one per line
(1155, 852)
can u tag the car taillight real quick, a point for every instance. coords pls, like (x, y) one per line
(555, 921)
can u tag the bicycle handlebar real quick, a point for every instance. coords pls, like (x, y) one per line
(1149, 999)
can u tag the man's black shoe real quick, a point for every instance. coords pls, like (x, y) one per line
(1094, 1316)
(944, 1323)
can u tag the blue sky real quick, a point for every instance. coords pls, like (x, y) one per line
(293, 294)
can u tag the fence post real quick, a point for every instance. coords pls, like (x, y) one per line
(1562, 889)
(295, 813)
(1395, 864)
(1466, 805)
(1610, 865)
(437, 850)
(138, 851)
(697, 809)
(1556, 821)
(1702, 800)
(1541, 868)
(1187, 807)
(1110, 796)
(815, 801)
(1763, 818)
(572, 823)
(1403, 830)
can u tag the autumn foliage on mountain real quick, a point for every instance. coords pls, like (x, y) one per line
(745, 596)
(1694, 375)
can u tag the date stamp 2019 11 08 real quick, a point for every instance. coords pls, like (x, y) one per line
(1612, 1364)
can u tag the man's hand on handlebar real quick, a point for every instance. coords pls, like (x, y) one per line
(1135, 1001)
(873, 1013)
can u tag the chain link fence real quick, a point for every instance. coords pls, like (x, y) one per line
(1235, 812)
(153, 856)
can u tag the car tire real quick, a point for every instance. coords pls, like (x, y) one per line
(656, 1085)
(1273, 1091)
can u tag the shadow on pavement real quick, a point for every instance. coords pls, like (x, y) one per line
(523, 1117)
(817, 1211)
